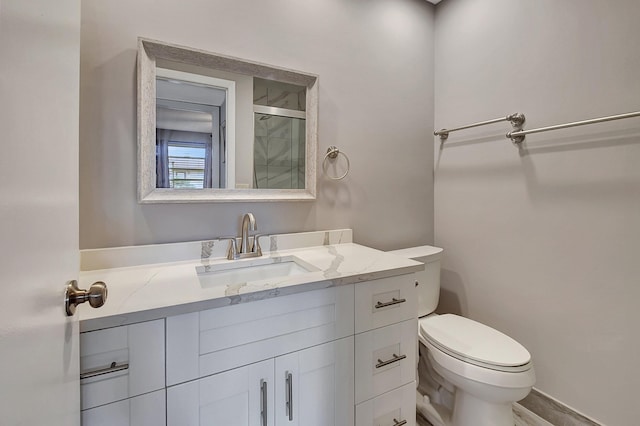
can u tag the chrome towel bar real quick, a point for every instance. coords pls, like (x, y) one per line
(517, 120)
(518, 135)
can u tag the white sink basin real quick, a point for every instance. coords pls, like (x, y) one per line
(242, 271)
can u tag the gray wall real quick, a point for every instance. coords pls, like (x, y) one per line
(543, 244)
(368, 53)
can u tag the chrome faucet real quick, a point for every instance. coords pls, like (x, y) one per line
(248, 223)
(246, 248)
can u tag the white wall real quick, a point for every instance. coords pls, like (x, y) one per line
(368, 54)
(544, 244)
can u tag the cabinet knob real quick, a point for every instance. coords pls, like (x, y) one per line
(73, 296)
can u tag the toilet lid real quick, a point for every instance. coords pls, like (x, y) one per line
(475, 343)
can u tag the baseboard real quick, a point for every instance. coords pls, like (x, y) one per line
(552, 411)
(539, 409)
(524, 417)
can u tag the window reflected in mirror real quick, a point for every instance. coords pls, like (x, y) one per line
(182, 159)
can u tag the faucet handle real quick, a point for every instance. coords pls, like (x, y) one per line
(256, 244)
(232, 251)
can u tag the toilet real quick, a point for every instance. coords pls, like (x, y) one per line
(469, 374)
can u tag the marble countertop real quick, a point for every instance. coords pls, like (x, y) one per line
(147, 292)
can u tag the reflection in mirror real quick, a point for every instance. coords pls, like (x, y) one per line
(279, 129)
(218, 128)
(191, 139)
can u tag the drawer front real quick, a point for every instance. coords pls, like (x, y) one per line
(208, 342)
(385, 301)
(143, 410)
(389, 409)
(138, 353)
(385, 359)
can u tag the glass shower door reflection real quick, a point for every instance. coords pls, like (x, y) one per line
(279, 152)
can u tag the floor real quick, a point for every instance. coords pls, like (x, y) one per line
(522, 417)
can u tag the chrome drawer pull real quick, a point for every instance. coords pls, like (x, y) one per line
(263, 402)
(394, 301)
(399, 423)
(104, 370)
(395, 358)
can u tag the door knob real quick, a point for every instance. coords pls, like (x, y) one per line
(73, 296)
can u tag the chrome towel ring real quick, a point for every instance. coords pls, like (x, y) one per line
(332, 154)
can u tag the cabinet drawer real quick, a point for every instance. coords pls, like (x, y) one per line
(385, 301)
(385, 359)
(390, 408)
(208, 342)
(143, 410)
(138, 353)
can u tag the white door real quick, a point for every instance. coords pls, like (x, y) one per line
(239, 397)
(39, 94)
(314, 386)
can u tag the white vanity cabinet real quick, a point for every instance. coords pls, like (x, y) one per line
(337, 356)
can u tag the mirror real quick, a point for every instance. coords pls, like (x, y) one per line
(218, 128)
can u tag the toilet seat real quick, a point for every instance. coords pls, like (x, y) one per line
(474, 343)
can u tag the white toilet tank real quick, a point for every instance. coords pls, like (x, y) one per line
(429, 279)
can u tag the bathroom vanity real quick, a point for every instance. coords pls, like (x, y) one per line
(317, 331)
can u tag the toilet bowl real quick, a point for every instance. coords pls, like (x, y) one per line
(471, 373)
(489, 370)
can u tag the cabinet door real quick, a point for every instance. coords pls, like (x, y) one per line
(121, 362)
(239, 397)
(314, 386)
(143, 410)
